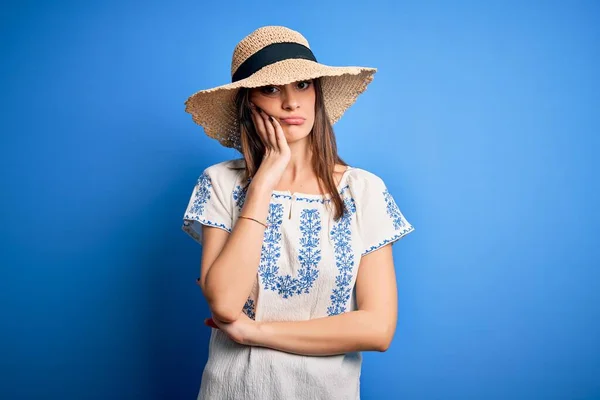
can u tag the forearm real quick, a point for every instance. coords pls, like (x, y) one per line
(347, 332)
(230, 278)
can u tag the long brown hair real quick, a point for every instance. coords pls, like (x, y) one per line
(322, 142)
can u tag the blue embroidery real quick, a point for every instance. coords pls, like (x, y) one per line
(341, 235)
(389, 240)
(190, 227)
(239, 195)
(249, 309)
(393, 210)
(271, 249)
(202, 194)
(308, 199)
(196, 210)
(309, 255)
(397, 219)
(286, 286)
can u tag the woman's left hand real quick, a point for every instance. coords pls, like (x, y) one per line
(243, 330)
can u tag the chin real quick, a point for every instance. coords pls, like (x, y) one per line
(295, 137)
(290, 137)
(295, 131)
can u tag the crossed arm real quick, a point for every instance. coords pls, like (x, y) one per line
(370, 328)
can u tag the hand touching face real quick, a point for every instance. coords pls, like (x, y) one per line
(292, 105)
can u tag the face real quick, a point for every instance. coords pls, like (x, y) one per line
(293, 105)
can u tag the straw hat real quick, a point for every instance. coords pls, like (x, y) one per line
(273, 55)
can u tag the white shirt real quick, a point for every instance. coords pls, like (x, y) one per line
(307, 270)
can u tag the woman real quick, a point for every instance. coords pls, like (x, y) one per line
(295, 264)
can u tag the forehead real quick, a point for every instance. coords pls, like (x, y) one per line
(285, 84)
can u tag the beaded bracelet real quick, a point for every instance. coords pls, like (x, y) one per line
(263, 224)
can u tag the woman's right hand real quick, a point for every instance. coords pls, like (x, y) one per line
(277, 152)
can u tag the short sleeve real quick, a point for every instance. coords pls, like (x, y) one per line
(210, 203)
(379, 219)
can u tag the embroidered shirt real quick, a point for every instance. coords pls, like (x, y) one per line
(307, 270)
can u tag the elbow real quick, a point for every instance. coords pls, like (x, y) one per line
(384, 339)
(383, 344)
(224, 313)
(221, 310)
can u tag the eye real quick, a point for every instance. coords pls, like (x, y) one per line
(304, 85)
(268, 89)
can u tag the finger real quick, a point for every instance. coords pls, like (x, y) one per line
(257, 121)
(268, 120)
(264, 121)
(279, 135)
(259, 125)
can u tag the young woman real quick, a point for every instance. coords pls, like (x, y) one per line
(296, 267)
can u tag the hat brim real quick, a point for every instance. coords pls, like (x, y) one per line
(214, 108)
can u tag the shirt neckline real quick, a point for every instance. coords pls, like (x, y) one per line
(312, 195)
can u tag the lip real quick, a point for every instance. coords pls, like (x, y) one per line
(293, 120)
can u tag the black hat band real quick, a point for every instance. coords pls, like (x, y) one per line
(269, 55)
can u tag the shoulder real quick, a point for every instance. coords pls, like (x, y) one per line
(224, 173)
(227, 166)
(363, 181)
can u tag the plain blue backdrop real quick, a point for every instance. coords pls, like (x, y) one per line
(483, 120)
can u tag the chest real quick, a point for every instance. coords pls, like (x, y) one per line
(309, 261)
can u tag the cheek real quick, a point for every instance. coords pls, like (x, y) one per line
(261, 101)
(256, 100)
(309, 104)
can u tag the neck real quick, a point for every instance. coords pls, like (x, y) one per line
(300, 165)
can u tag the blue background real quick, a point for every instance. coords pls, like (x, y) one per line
(483, 120)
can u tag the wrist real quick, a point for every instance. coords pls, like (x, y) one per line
(258, 333)
(258, 188)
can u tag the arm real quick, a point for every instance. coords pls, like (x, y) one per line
(370, 328)
(230, 260)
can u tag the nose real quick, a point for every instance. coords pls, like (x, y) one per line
(290, 99)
